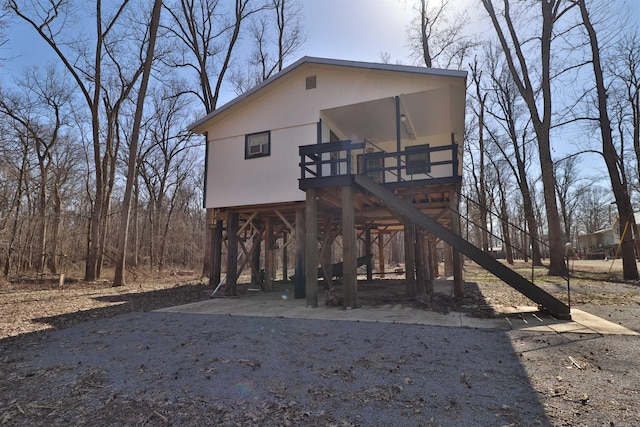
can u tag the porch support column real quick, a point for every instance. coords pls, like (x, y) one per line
(409, 258)
(311, 248)
(269, 255)
(429, 259)
(349, 250)
(458, 280)
(299, 285)
(232, 254)
(381, 253)
(367, 248)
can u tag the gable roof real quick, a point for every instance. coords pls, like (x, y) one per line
(195, 127)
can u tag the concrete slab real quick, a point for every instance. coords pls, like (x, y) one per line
(268, 305)
(531, 319)
(259, 304)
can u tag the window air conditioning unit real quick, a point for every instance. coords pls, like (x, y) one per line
(256, 149)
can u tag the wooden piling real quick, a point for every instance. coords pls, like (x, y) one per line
(350, 252)
(311, 248)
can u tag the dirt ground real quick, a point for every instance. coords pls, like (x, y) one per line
(90, 354)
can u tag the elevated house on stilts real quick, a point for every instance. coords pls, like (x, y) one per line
(331, 150)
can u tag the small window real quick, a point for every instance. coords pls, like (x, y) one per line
(311, 82)
(419, 162)
(257, 145)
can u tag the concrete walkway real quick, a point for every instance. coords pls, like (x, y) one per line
(279, 304)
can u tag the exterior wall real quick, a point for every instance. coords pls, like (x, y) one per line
(291, 112)
(234, 181)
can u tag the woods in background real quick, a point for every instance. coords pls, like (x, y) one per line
(553, 97)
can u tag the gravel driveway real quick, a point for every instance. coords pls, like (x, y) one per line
(184, 369)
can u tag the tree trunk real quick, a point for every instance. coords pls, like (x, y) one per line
(541, 123)
(618, 181)
(118, 279)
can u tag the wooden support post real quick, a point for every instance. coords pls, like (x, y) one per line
(216, 253)
(299, 285)
(255, 261)
(285, 256)
(435, 259)
(429, 258)
(232, 254)
(311, 248)
(409, 259)
(458, 280)
(381, 253)
(421, 265)
(326, 257)
(269, 254)
(367, 249)
(448, 260)
(349, 249)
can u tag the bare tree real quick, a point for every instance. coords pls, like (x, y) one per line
(205, 38)
(551, 11)
(626, 69)
(508, 131)
(90, 67)
(165, 164)
(118, 279)
(275, 41)
(568, 189)
(594, 209)
(614, 165)
(437, 36)
(40, 112)
(480, 101)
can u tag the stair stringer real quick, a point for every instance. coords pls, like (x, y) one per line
(549, 303)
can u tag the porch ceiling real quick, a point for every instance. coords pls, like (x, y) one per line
(431, 112)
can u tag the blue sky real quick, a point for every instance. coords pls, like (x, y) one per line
(359, 30)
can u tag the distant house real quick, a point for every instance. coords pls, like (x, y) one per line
(602, 243)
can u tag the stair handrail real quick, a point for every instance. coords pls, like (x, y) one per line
(518, 228)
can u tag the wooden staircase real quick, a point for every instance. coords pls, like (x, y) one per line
(549, 303)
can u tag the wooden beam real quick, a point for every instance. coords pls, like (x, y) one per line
(284, 220)
(247, 223)
(311, 248)
(349, 250)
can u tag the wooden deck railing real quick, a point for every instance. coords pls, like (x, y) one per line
(415, 162)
